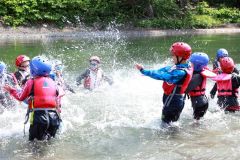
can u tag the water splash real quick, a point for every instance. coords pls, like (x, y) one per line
(121, 121)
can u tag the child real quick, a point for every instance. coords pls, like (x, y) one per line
(197, 86)
(176, 79)
(22, 74)
(228, 83)
(5, 99)
(221, 53)
(57, 76)
(42, 93)
(93, 76)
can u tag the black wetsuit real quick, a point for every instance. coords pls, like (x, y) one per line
(45, 125)
(21, 78)
(199, 103)
(225, 102)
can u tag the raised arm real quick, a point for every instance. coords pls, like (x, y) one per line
(82, 76)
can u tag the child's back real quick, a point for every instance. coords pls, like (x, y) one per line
(227, 84)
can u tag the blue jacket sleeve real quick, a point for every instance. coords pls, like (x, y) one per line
(165, 74)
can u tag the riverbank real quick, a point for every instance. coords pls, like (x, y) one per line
(46, 32)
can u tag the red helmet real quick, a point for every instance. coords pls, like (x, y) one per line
(20, 59)
(227, 65)
(181, 49)
(95, 58)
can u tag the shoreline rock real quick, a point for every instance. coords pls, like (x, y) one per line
(54, 33)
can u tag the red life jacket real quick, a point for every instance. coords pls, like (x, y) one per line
(199, 90)
(168, 88)
(44, 93)
(224, 85)
(87, 82)
(90, 81)
(233, 108)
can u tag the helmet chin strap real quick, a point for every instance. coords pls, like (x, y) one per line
(179, 61)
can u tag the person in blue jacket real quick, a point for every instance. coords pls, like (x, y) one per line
(176, 79)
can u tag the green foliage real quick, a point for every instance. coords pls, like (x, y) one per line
(166, 13)
(228, 3)
(204, 21)
(166, 8)
(20, 12)
(164, 23)
(159, 23)
(226, 15)
(202, 8)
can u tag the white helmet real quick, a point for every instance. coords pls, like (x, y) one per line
(57, 62)
(58, 66)
(95, 58)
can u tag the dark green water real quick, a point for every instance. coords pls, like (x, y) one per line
(121, 121)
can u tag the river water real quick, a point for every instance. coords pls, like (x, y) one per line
(120, 121)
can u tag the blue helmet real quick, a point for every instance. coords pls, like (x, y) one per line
(3, 68)
(40, 66)
(221, 53)
(199, 60)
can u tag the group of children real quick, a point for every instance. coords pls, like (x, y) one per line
(188, 79)
(40, 84)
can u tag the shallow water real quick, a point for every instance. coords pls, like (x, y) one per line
(121, 121)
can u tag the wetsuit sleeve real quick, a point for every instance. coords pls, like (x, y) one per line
(25, 79)
(214, 90)
(196, 80)
(18, 77)
(164, 74)
(69, 88)
(236, 70)
(82, 76)
(108, 79)
(235, 80)
(238, 80)
(215, 64)
(24, 93)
